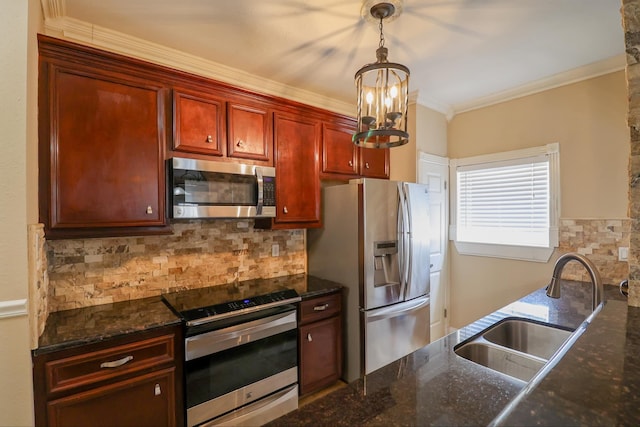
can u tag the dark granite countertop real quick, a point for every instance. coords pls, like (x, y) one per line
(71, 328)
(434, 386)
(80, 326)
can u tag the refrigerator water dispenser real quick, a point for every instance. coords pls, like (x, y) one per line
(385, 263)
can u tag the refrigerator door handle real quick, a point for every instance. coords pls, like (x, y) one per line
(401, 247)
(407, 240)
(397, 309)
(404, 242)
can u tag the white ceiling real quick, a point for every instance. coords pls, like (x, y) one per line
(461, 53)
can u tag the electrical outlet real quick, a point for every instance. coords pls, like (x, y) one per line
(275, 249)
(623, 253)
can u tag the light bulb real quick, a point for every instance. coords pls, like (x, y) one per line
(369, 97)
(394, 91)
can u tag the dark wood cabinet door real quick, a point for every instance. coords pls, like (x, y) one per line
(101, 151)
(339, 154)
(198, 123)
(320, 354)
(147, 400)
(374, 162)
(298, 181)
(250, 133)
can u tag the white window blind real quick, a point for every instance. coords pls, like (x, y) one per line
(505, 202)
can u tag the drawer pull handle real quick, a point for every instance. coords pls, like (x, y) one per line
(309, 338)
(322, 307)
(116, 363)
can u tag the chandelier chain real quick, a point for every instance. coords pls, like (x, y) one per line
(381, 34)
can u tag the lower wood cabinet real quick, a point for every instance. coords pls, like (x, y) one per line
(320, 342)
(134, 380)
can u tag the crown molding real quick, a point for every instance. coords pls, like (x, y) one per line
(117, 42)
(589, 71)
(441, 107)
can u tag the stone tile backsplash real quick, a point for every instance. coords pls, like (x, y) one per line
(598, 240)
(85, 272)
(199, 253)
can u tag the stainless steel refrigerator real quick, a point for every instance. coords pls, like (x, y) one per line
(375, 241)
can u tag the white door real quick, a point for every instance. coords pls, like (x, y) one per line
(434, 171)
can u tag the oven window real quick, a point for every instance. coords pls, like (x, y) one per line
(217, 374)
(212, 188)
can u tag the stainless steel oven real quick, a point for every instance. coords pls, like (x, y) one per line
(241, 360)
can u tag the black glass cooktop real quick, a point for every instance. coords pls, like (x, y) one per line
(217, 302)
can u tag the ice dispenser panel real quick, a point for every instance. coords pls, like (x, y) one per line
(385, 263)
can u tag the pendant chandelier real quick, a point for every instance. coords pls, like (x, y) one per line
(383, 95)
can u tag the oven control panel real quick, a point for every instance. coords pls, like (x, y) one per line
(232, 308)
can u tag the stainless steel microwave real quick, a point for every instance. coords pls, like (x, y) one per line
(210, 189)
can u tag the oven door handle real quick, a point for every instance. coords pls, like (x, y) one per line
(222, 339)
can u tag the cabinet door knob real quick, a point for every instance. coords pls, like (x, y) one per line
(309, 337)
(350, 162)
(157, 391)
(209, 138)
(366, 165)
(285, 210)
(240, 143)
(149, 210)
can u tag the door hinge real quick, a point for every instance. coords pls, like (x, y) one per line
(445, 185)
(445, 312)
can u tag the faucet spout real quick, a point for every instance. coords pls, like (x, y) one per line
(553, 290)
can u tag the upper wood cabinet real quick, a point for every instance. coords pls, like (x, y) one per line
(101, 149)
(198, 123)
(341, 159)
(297, 143)
(250, 131)
(374, 162)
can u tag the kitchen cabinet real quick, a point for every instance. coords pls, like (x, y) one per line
(101, 146)
(126, 381)
(250, 131)
(198, 123)
(221, 125)
(320, 342)
(297, 143)
(341, 159)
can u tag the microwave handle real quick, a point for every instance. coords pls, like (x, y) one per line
(260, 183)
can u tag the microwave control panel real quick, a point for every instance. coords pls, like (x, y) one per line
(269, 191)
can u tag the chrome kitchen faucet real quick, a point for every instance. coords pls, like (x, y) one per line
(553, 289)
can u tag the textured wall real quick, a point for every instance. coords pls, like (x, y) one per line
(198, 253)
(631, 24)
(598, 240)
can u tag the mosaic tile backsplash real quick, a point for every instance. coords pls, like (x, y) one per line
(598, 240)
(199, 253)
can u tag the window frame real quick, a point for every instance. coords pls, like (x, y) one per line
(517, 252)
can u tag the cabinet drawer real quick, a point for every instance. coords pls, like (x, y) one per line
(89, 368)
(320, 308)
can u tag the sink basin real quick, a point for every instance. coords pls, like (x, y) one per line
(514, 346)
(511, 363)
(526, 336)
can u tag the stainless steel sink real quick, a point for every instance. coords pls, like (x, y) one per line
(526, 336)
(514, 346)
